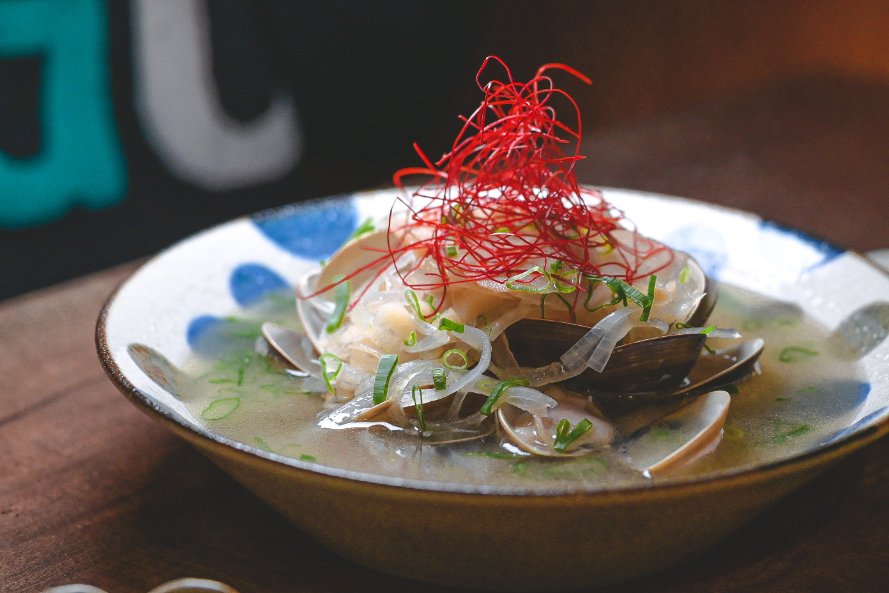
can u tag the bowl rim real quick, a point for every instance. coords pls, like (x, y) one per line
(819, 456)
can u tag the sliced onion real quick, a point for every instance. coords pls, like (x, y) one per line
(529, 399)
(502, 323)
(595, 347)
(533, 401)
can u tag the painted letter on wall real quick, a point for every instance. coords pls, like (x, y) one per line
(80, 161)
(181, 112)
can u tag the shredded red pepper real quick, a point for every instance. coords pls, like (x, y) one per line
(505, 197)
(506, 193)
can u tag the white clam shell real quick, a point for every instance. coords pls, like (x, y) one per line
(679, 436)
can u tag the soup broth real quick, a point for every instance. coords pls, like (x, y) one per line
(800, 395)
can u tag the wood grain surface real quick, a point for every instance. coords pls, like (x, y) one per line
(93, 491)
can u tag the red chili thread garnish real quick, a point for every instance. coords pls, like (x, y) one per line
(507, 198)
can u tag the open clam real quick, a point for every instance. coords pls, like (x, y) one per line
(653, 364)
(442, 420)
(538, 435)
(709, 371)
(646, 370)
(294, 347)
(678, 437)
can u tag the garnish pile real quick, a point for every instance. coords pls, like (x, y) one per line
(504, 204)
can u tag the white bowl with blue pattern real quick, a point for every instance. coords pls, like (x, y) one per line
(181, 293)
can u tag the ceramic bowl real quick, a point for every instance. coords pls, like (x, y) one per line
(469, 536)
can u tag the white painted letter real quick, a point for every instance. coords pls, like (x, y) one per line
(178, 105)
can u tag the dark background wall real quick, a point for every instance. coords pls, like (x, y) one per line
(367, 80)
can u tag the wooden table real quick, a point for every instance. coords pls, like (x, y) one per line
(93, 491)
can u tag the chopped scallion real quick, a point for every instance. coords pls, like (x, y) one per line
(624, 291)
(565, 435)
(646, 309)
(439, 379)
(516, 282)
(792, 432)
(384, 374)
(684, 275)
(328, 374)
(341, 294)
(451, 250)
(571, 314)
(220, 408)
(464, 362)
(448, 325)
(498, 392)
(411, 339)
(414, 301)
(366, 227)
(618, 295)
(417, 396)
(796, 354)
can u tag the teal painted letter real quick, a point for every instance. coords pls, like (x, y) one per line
(80, 161)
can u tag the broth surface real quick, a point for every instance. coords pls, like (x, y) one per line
(801, 395)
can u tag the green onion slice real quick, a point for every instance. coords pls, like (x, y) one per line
(618, 295)
(384, 373)
(411, 339)
(366, 227)
(417, 396)
(571, 314)
(515, 282)
(220, 408)
(341, 294)
(498, 392)
(684, 274)
(646, 308)
(624, 291)
(414, 301)
(552, 281)
(796, 353)
(451, 250)
(447, 324)
(326, 373)
(565, 435)
(439, 379)
(464, 362)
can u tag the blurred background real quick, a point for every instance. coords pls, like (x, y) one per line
(125, 126)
